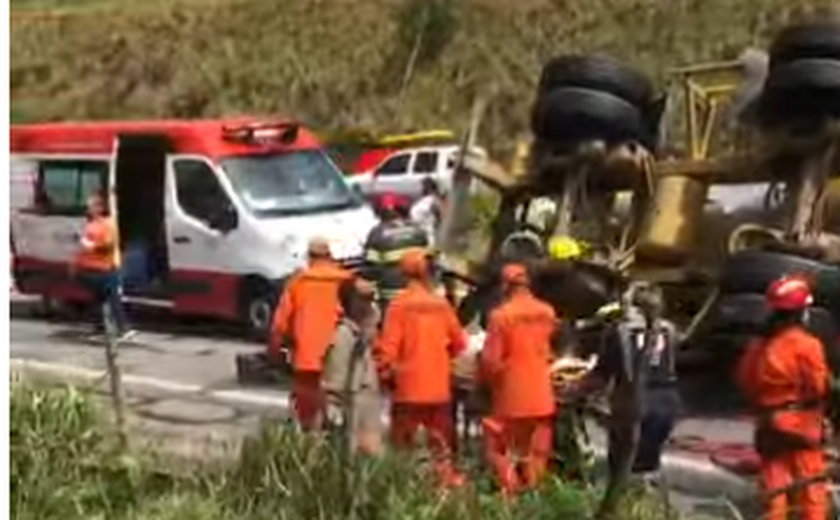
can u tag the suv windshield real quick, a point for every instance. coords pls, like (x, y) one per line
(291, 183)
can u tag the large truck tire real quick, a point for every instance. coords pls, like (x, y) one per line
(597, 72)
(744, 314)
(568, 116)
(723, 349)
(753, 271)
(805, 41)
(738, 313)
(801, 91)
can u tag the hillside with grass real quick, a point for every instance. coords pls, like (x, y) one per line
(388, 65)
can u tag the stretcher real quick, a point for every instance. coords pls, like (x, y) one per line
(471, 404)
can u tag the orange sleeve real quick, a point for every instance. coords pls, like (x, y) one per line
(387, 349)
(457, 337)
(105, 237)
(281, 325)
(493, 351)
(813, 369)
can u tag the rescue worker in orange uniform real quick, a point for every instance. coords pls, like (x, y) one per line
(306, 319)
(516, 367)
(97, 264)
(420, 337)
(785, 376)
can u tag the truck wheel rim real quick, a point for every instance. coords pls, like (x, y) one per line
(259, 314)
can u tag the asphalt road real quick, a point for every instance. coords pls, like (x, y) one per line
(195, 353)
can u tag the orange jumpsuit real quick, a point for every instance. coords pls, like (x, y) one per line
(420, 336)
(515, 365)
(307, 316)
(788, 369)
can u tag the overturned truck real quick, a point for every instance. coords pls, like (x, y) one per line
(744, 190)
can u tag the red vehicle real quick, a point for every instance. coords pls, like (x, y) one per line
(213, 215)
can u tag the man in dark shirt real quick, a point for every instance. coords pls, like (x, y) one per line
(637, 362)
(386, 244)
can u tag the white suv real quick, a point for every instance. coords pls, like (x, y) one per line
(403, 172)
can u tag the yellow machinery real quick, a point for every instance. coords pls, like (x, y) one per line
(654, 220)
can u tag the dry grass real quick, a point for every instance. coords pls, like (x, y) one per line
(338, 63)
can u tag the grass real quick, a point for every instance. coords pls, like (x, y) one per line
(64, 468)
(342, 63)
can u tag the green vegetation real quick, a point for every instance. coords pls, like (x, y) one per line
(384, 64)
(64, 468)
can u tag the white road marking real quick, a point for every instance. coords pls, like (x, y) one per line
(280, 399)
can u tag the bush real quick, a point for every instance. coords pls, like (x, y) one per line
(339, 63)
(63, 468)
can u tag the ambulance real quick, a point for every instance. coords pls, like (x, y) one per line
(213, 215)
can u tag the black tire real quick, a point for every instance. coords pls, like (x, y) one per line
(801, 91)
(576, 292)
(822, 323)
(743, 315)
(723, 348)
(754, 271)
(569, 116)
(810, 40)
(816, 74)
(257, 303)
(597, 72)
(738, 314)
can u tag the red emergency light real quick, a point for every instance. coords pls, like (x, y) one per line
(262, 133)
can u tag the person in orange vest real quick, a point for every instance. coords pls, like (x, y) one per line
(305, 319)
(516, 367)
(420, 337)
(785, 376)
(97, 264)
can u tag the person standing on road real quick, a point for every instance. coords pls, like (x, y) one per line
(306, 319)
(516, 367)
(97, 264)
(427, 212)
(420, 337)
(386, 244)
(350, 378)
(785, 375)
(638, 364)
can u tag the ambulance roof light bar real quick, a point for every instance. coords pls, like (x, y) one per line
(262, 133)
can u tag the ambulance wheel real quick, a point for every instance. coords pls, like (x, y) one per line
(257, 308)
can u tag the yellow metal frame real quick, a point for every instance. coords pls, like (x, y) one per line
(706, 87)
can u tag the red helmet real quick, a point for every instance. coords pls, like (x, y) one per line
(393, 203)
(789, 293)
(389, 201)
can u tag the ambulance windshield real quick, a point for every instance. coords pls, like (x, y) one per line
(292, 183)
